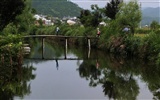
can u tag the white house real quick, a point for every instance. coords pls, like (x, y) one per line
(45, 21)
(70, 22)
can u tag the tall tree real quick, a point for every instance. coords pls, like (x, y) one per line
(91, 18)
(84, 17)
(9, 9)
(25, 21)
(112, 8)
(129, 15)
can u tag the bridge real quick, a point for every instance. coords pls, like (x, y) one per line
(61, 36)
(66, 41)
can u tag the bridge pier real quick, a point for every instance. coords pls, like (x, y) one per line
(66, 47)
(43, 46)
(66, 41)
(89, 43)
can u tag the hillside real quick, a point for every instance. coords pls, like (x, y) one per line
(56, 8)
(149, 14)
(65, 8)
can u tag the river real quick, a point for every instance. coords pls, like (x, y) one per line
(80, 73)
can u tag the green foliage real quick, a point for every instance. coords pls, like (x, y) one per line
(112, 8)
(143, 31)
(42, 30)
(40, 22)
(22, 24)
(129, 14)
(91, 18)
(56, 8)
(14, 76)
(10, 56)
(10, 40)
(154, 25)
(152, 41)
(133, 45)
(84, 17)
(72, 30)
(9, 9)
(25, 21)
(10, 29)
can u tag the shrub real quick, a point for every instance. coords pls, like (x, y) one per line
(143, 31)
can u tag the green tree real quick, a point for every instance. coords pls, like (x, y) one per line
(9, 9)
(112, 8)
(91, 18)
(96, 15)
(84, 17)
(154, 25)
(23, 23)
(129, 14)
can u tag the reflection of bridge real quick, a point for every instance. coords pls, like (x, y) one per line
(58, 59)
(66, 44)
(61, 58)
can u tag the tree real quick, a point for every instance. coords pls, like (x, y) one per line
(84, 16)
(129, 15)
(91, 18)
(154, 25)
(25, 21)
(9, 9)
(112, 8)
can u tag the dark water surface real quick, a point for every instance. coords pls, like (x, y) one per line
(88, 74)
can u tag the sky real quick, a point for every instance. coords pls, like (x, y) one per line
(101, 3)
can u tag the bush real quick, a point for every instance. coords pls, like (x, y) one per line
(152, 43)
(10, 48)
(132, 45)
(143, 31)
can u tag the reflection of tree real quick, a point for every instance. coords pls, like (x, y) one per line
(88, 70)
(116, 82)
(14, 77)
(150, 74)
(115, 73)
(116, 86)
(108, 89)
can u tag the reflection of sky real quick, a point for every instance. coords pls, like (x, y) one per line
(101, 3)
(64, 83)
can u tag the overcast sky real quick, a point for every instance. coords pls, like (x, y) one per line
(101, 3)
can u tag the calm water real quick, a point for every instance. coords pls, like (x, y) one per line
(90, 74)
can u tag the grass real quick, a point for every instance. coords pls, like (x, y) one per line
(141, 35)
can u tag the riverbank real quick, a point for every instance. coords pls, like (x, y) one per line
(11, 50)
(141, 46)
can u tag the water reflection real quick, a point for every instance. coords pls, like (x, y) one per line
(14, 77)
(117, 76)
(115, 85)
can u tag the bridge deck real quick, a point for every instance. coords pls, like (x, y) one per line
(60, 36)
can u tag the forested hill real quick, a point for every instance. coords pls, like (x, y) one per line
(56, 8)
(149, 14)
